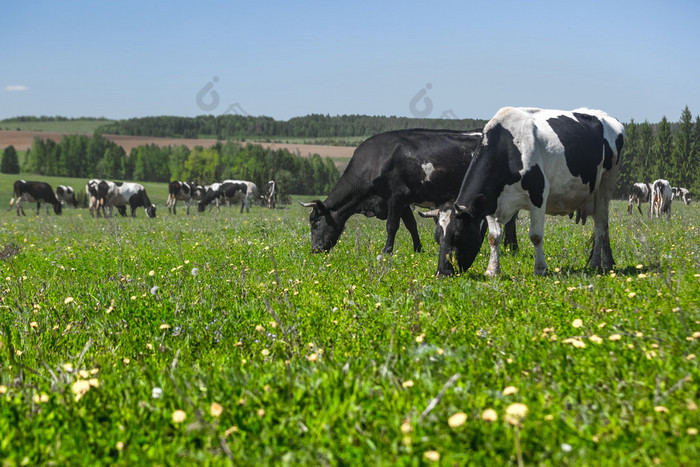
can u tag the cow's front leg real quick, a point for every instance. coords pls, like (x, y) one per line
(410, 222)
(494, 236)
(536, 234)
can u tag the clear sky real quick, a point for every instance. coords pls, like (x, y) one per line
(120, 59)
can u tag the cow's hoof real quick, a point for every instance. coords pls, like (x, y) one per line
(492, 272)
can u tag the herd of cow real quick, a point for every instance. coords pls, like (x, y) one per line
(104, 195)
(544, 161)
(659, 195)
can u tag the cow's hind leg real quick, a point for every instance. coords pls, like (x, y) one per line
(410, 222)
(536, 234)
(393, 218)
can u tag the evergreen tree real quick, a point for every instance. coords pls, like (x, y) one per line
(10, 161)
(680, 164)
(663, 147)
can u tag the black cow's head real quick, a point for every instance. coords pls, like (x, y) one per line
(57, 208)
(151, 210)
(325, 228)
(459, 235)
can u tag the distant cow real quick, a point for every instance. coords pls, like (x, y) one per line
(639, 193)
(269, 196)
(545, 161)
(387, 174)
(123, 194)
(35, 192)
(183, 191)
(230, 191)
(66, 194)
(227, 192)
(661, 198)
(681, 193)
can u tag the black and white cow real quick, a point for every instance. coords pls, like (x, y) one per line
(66, 194)
(94, 205)
(269, 196)
(35, 192)
(661, 198)
(681, 193)
(227, 192)
(183, 191)
(230, 191)
(123, 194)
(545, 161)
(639, 193)
(387, 174)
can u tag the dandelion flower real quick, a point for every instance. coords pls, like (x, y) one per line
(259, 328)
(126, 361)
(577, 323)
(120, 445)
(457, 420)
(516, 412)
(156, 393)
(84, 374)
(407, 384)
(660, 409)
(419, 338)
(312, 357)
(3, 389)
(195, 271)
(692, 431)
(261, 412)
(696, 334)
(632, 294)
(79, 388)
(233, 429)
(33, 324)
(68, 300)
(68, 367)
(510, 390)
(615, 337)
(406, 427)
(265, 352)
(179, 416)
(489, 415)
(690, 356)
(596, 339)
(431, 456)
(165, 326)
(151, 273)
(215, 409)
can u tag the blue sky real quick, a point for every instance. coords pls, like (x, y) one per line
(633, 59)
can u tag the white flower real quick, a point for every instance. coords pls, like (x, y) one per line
(156, 393)
(195, 271)
(154, 290)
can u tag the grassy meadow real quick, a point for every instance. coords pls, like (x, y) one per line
(219, 339)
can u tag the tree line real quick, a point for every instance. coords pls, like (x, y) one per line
(224, 127)
(96, 157)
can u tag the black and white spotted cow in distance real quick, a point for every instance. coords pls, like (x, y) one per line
(387, 174)
(661, 198)
(35, 192)
(230, 192)
(639, 193)
(185, 192)
(123, 194)
(66, 194)
(269, 196)
(546, 161)
(682, 193)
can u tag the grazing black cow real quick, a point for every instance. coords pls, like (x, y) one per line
(35, 192)
(66, 194)
(269, 196)
(121, 194)
(682, 193)
(229, 191)
(639, 193)
(183, 191)
(387, 174)
(546, 161)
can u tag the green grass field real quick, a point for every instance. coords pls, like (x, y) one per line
(219, 338)
(66, 126)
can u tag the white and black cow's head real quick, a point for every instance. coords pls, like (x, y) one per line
(459, 236)
(325, 227)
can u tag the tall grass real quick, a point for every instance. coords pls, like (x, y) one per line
(219, 337)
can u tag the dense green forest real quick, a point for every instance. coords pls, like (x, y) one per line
(245, 127)
(669, 150)
(97, 157)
